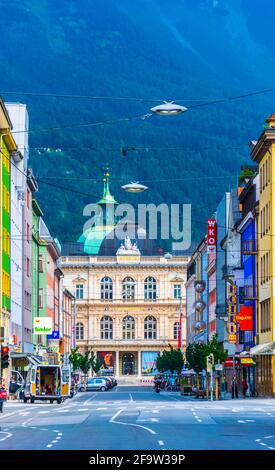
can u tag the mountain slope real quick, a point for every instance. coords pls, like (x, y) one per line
(155, 49)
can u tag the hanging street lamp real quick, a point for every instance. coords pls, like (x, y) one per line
(168, 108)
(134, 187)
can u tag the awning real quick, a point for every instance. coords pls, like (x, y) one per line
(265, 348)
(31, 358)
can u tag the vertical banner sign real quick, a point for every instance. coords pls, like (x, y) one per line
(211, 235)
(232, 312)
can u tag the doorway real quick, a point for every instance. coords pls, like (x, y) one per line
(128, 364)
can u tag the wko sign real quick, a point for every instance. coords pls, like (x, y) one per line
(211, 235)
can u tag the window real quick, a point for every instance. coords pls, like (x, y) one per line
(28, 198)
(27, 232)
(265, 316)
(150, 328)
(79, 291)
(177, 291)
(79, 331)
(40, 262)
(40, 298)
(106, 289)
(176, 330)
(128, 288)
(128, 327)
(150, 288)
(106, 328)
(28, 266)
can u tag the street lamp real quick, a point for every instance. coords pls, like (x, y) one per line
(135, 187)
(168, 109)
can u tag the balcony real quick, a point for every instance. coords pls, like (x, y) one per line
(249, 247)
(250, 292)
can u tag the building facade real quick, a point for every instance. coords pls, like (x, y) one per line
(264, 154)
(7, 149)
(20, 265)
(127, 306)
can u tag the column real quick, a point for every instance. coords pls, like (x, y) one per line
(139, 364)
(117, 364)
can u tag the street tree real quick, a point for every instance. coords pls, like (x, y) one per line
(170, 360)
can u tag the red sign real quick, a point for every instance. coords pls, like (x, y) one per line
(211, 235)
(245, 318)
(230, 363)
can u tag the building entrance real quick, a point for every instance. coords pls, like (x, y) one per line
(128, 364)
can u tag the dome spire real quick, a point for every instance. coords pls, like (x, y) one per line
(107, 198)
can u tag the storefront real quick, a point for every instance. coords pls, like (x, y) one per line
(128, 363)
(265, 370)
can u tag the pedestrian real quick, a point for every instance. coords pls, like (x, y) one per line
(234, 387)
(244, 387)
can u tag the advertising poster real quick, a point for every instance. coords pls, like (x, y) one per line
(107, 359)
(149, 359)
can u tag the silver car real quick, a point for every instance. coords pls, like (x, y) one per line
(94, 384)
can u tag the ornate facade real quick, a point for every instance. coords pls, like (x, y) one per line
(127, 306)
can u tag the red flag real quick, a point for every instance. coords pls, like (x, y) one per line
(180, 331)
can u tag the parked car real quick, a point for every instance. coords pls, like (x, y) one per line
(111, 380)
(97, 383)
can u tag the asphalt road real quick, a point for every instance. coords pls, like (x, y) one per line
(137, 418)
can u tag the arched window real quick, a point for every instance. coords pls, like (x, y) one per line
(128, 327)
(79, 331)
(106, 328)
(106, 288)
(150, 328)
(150, 288)
(128, 288)
(176, 330)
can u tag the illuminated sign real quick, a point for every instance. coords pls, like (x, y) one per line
(245, 318)
(211, 235)
(231, 312)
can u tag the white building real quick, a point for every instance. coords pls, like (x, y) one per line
(18, 232)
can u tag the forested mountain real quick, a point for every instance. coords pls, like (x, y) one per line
(196, 51)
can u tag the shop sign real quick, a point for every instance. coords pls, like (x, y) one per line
(211, 235)
(232, 339)
(231, 311)
(230, 363)
(247, 361)
(42, 325)
(245, 318)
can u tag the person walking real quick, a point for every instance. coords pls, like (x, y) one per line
(244, 387)
(234, 387)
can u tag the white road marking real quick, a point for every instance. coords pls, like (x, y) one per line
(8, 434)
(101, 409)
(83, 409)
(131, 398)
(89, 399)
(155, 411)
(43, 412)
(161, 443)
(263, 444)
(25, 422)
(268, 437)
(58, 437)
(49, 445)
(11, 414)
(271, 448)
(62, 411)
(241, 421)
(113, 420)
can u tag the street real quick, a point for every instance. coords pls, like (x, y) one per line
(137, 418)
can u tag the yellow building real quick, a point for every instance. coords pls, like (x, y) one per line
(264, 154)
(7, 146)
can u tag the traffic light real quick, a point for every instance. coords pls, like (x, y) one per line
(209, 362)
(5, 356)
